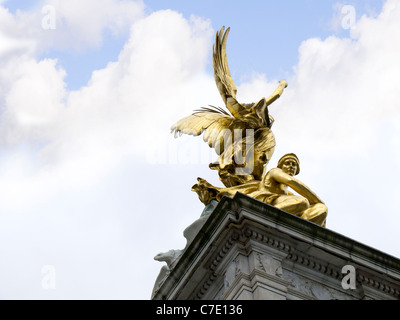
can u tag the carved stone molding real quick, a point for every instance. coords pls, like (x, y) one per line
(249, 250)
(266, 263)
(378, 284)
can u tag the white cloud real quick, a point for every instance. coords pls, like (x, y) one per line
(33, 102)
(123, 108)
(62, 146)
(82, 23)
(130, 104)
(339, 114)
(63, 25)
(13, 40)
(351, 83)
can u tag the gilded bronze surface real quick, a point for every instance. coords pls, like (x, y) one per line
(273, 189)
(229, 133)
(243, 140)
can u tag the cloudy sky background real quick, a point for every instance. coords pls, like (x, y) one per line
(92, 184)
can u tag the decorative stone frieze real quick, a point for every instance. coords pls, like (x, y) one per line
(247, 249)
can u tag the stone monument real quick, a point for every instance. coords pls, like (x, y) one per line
(248, 249)
(263, 234)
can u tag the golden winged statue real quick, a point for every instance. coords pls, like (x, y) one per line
(242, 137)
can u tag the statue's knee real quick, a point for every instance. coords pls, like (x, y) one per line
(320, 212)
(322, 209)
(303, 203)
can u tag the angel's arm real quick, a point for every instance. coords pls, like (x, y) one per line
(277, 93)
(261, 108)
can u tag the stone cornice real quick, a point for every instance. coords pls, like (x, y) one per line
(321, 237)
(243, 224)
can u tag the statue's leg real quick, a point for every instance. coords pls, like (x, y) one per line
(292, 204)
(316, 213)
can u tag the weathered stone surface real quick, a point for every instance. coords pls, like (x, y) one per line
(249, 250)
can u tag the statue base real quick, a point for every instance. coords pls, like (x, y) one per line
(246, 249)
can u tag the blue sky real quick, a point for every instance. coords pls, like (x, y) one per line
(269, 34)
(92, 182)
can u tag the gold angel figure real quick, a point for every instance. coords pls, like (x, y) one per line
(242, 138)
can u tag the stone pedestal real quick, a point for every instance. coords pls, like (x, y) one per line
(248, 250)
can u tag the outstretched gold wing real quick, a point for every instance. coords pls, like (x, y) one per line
(222, 75)
(214, 125)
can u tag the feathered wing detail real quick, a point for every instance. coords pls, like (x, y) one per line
(215, 127)
(242, 157)
(222, 74)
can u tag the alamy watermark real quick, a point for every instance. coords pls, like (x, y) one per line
(349, 278)
(234, 147)
(49, 20)
(49, 277)
(348, 17)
